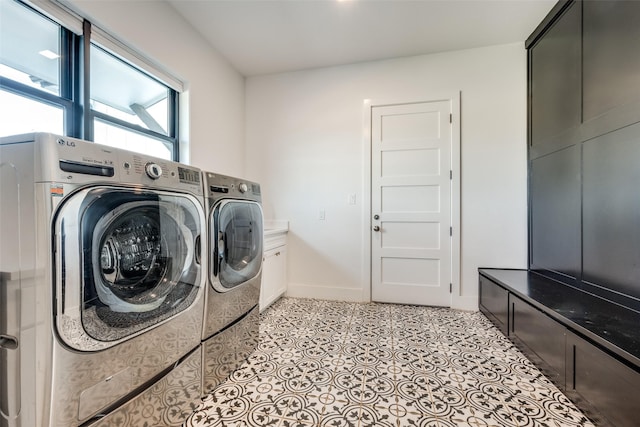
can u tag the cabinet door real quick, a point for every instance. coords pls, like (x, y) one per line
(611, 58)
(279, 261)
(541, 335)
(611, 211)
(609, 386)
(555, 215)
(555, 78)
(494, 303)
(274, 276)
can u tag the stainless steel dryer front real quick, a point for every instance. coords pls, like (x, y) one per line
(101, 285)
(231, 318)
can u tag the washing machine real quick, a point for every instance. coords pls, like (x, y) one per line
(231, 317)
(101, 285)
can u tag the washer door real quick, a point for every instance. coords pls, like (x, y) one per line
(127, 260)
(236, 243)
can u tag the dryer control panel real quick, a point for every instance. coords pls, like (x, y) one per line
(222, 186)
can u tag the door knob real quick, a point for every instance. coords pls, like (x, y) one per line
(376, 228)
(8, 342)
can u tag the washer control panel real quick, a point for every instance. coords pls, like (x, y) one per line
(81, 161)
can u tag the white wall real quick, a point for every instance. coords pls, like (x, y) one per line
(304, 142)
(214, 135)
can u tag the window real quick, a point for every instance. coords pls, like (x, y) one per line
(33, 95)
(40, 75)
(21, 114)
(30, 48)
(129, 109)
(122, 137)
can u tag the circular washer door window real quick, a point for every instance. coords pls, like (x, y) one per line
(139, 258)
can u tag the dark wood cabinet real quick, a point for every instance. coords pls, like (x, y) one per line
(592, 357)
(555, 67)
(494, 303)
(609, 386)
(542, 336)
(576, 310)
(584, 142)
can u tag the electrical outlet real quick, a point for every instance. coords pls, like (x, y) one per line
(352, 199)
(321, 215)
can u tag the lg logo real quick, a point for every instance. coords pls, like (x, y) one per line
(67, 143)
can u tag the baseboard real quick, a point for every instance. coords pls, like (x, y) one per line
(468, 303)
(333, 293)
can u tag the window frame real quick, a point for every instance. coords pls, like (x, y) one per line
(67, 100)
(74, 96)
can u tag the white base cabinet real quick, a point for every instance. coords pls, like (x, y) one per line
(274, 269)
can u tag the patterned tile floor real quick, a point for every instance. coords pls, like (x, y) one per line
(336, 364)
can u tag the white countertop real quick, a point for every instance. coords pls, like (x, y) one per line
(272, 227)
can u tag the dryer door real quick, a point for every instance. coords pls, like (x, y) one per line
(127, 261)
(237, 243)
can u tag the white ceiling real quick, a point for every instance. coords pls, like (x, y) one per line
(271, 36)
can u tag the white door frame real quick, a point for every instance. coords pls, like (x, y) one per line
(454, 98)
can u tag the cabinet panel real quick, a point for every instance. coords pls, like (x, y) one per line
(542, 335)
(555, 212)
(494, 303)
(611, 211)
(555, 62)
(611, 58)
(274, 276)
(604, 382)
(274, 240)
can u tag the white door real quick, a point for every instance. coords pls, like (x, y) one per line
(411, 146)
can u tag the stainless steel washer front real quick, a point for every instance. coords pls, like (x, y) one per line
(101, 282)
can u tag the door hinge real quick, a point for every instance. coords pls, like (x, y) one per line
(450, 174)
(450, 118)
(450, 288)
(450, 231)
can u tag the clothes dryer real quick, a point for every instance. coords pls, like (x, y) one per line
(231, 316)
(101, 285)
